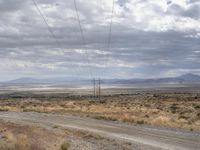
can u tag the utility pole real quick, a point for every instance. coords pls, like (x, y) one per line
(97, 88)
(94, 87)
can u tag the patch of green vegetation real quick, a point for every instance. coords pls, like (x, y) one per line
(105, 118)
(140, 122)
(65, 146)
(197, 106)
(55, 126)
(198, 115)
(183, 117)
(4, 109)
(174, 108)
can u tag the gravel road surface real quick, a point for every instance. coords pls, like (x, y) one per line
(146, 137)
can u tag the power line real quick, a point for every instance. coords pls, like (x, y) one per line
(97, 92)
(50, 29)
(82, 36)
(109, 35)
(79, 22)
(111, 24)
(45, 21)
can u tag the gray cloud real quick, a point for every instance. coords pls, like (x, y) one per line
(149, 39)
(192, 11)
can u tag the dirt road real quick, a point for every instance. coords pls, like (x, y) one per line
(144, 136)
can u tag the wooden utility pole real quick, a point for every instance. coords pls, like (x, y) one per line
(97, 88)
(94, 87)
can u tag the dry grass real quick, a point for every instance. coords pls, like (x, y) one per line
(170, 110)
(24, 137)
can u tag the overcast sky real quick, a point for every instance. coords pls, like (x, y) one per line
(150, 38)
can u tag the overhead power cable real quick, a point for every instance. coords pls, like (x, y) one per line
(79, 23)
(45, 21)
(111, 25)
(82, 37)
(50, 29)
(108, 43)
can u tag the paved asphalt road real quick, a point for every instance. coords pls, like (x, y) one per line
(152, 138)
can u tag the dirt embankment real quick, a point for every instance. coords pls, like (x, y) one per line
(27, 136)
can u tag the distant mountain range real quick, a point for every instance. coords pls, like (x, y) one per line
(62, 80)
(186, 78)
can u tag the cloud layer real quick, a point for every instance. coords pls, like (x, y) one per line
(149, 38)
